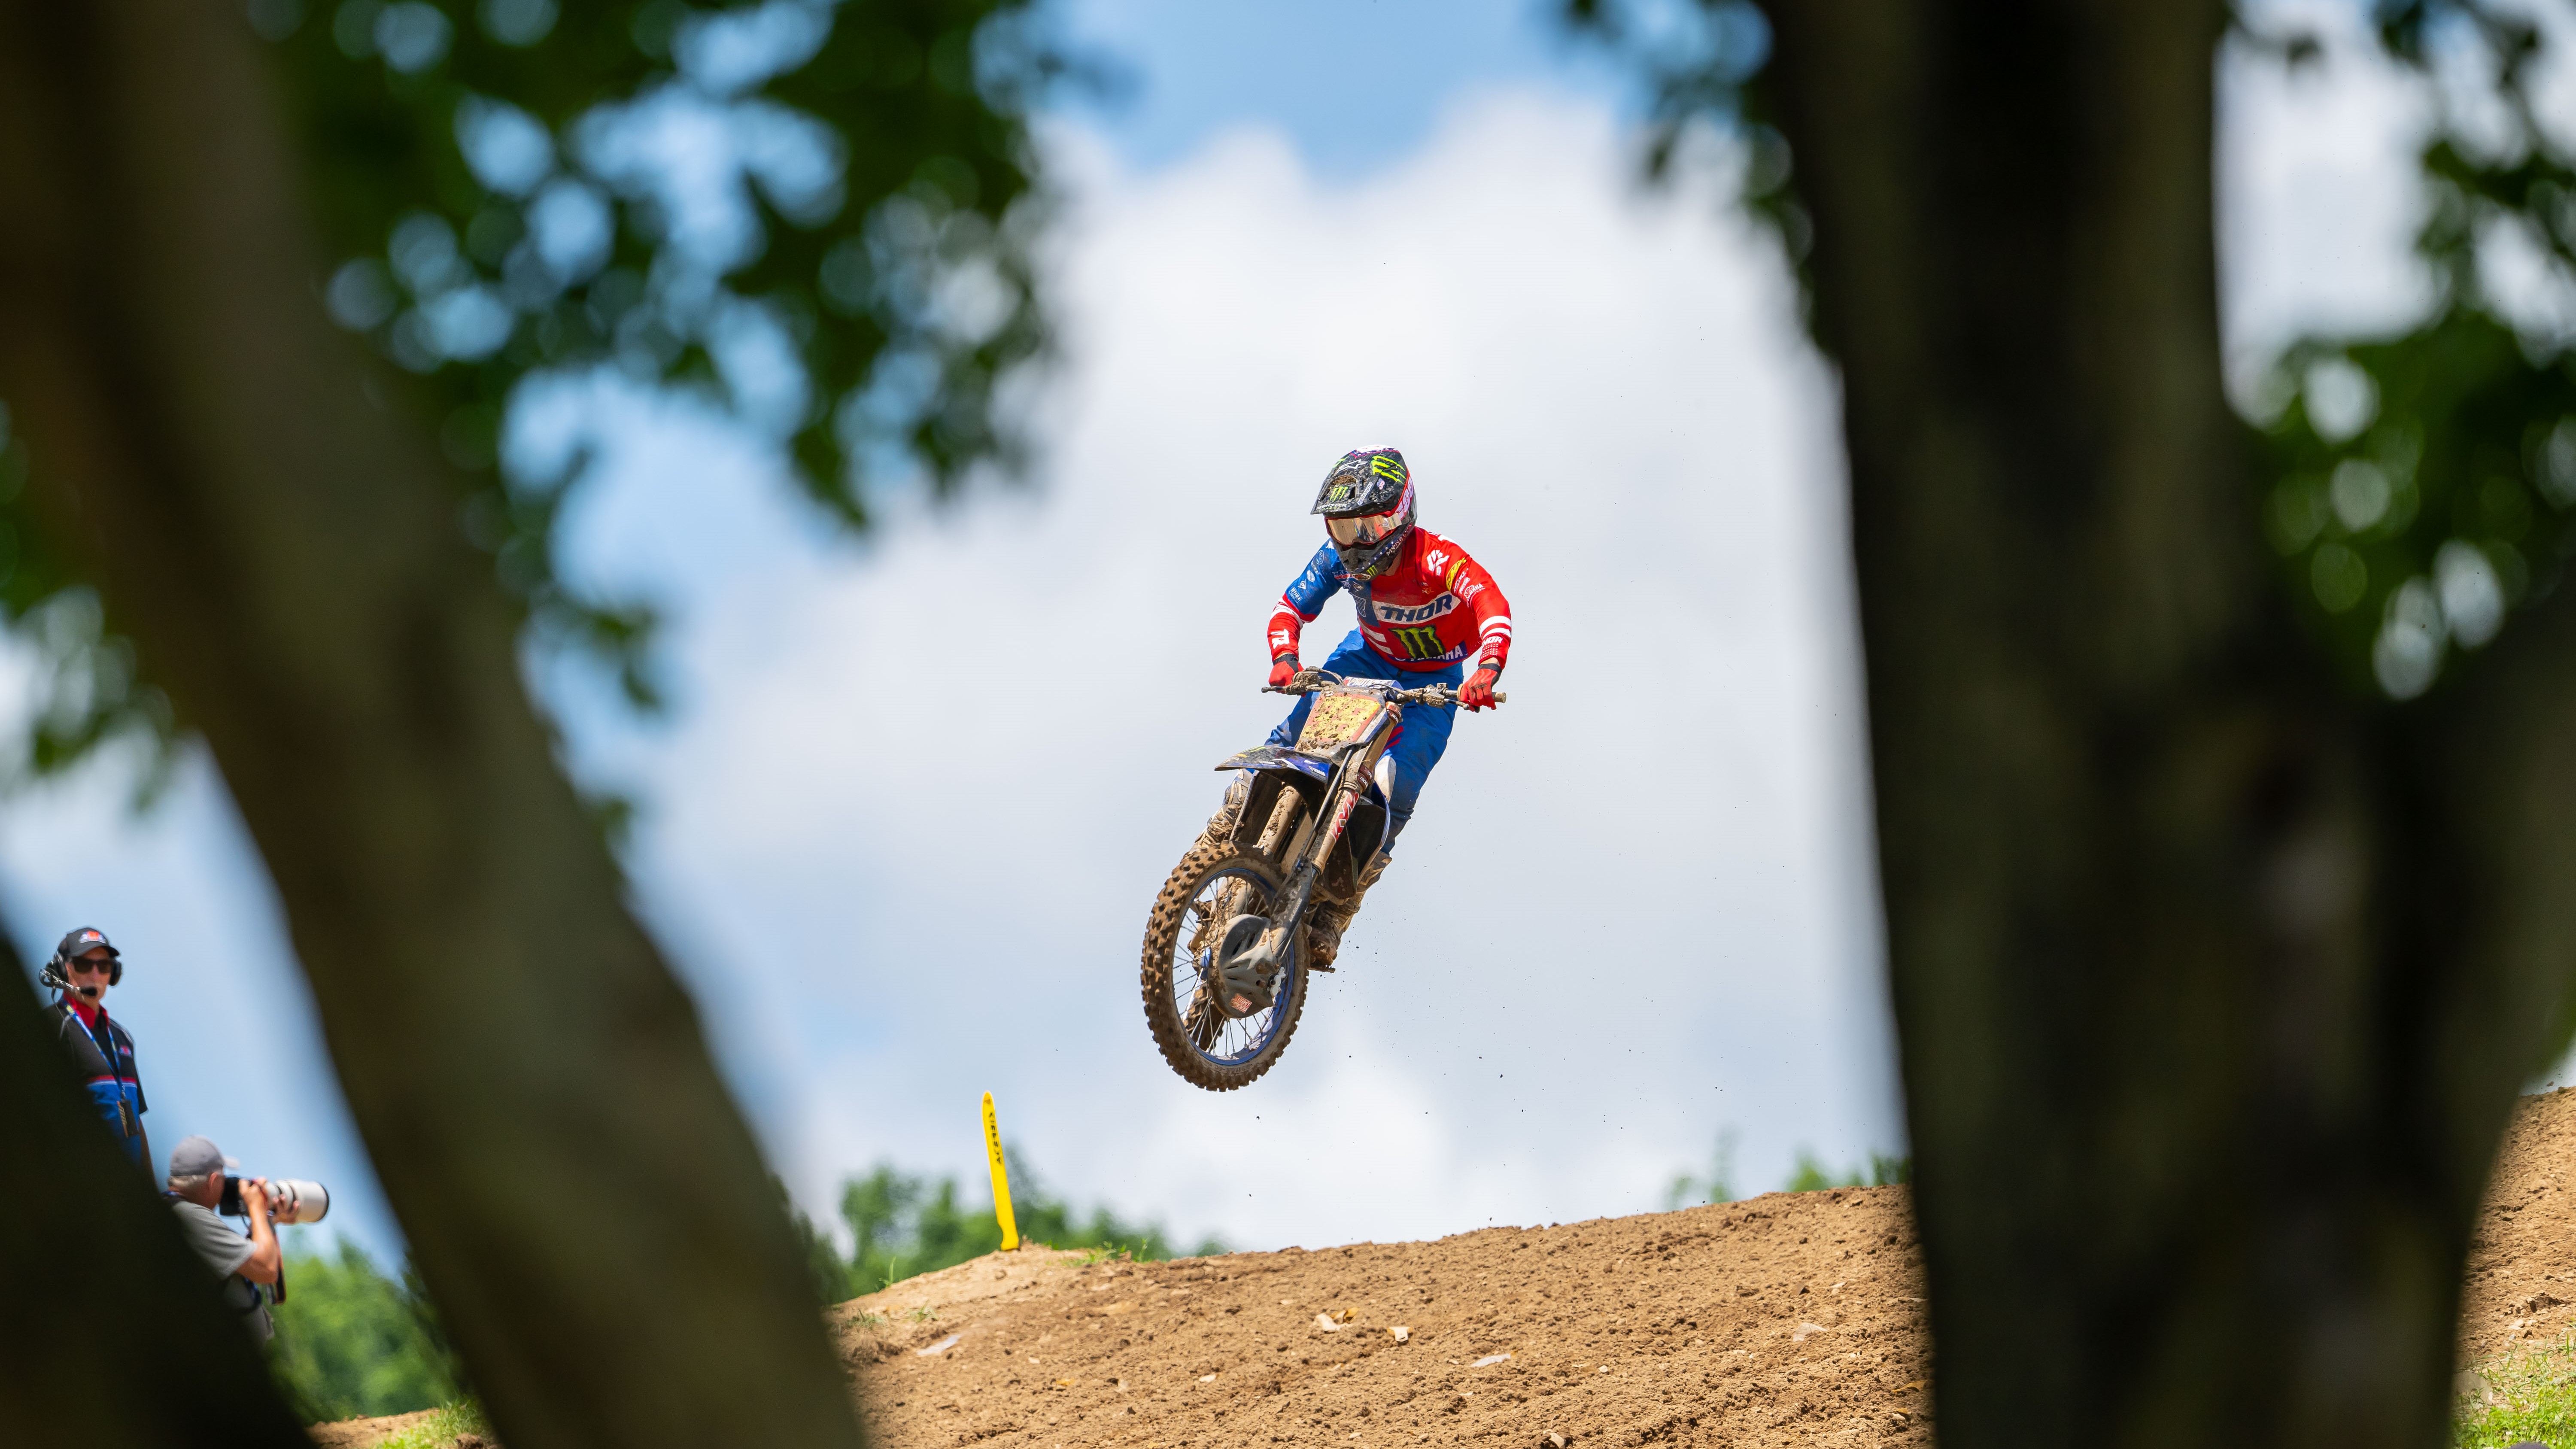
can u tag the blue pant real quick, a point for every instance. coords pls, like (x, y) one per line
(1421, 739)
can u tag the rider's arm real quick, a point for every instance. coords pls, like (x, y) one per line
(1284, 627)
(1493, 612)
(1301, 602)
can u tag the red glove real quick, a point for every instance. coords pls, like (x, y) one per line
(1282, 669)
(1478, 691)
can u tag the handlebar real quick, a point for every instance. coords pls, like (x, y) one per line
(1315, 681)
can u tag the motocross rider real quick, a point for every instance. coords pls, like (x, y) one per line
(1424, 606)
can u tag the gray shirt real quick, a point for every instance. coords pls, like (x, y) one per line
(225, 1251)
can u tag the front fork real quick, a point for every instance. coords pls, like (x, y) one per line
(1340, 801)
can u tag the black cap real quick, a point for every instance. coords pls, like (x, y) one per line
(83, 941)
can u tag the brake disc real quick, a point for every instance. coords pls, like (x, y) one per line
(1242, 986)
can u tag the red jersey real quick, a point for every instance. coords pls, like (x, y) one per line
(1435, 607)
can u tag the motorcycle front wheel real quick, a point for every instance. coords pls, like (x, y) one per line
(1210, 887)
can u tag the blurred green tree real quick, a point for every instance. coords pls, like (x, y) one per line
(2228, 886)
(1810, 1174)
(355, 1341)
(270, 275)
(902, 1225)
(1687, 1190)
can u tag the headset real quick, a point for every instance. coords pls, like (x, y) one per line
(57, 972)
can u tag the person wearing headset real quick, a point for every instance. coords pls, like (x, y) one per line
(83, 968)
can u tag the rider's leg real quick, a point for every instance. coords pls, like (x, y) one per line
(1220, 826)
(1419, 743)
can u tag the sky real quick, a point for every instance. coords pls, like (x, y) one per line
(916, 791)
(1351, 85)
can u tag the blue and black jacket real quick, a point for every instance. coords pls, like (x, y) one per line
(104, 1059)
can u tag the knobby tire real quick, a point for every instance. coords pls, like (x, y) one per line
(1162, 939)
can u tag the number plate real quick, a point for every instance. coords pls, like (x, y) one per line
(1337, 719)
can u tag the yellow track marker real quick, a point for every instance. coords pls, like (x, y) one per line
(1001, 1178)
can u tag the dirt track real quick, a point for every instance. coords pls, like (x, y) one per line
(1760, 1322)
(2522, 1260)
(1786, 1319)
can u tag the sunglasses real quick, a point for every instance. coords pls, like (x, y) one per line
(83, 963)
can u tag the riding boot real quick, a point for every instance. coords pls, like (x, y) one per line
(1324, 926)
(1220, 826)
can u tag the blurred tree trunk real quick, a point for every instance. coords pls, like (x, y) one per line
(124, 1343)
(2214, 982)
(579, 1191)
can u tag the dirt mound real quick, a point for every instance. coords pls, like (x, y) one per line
(1763, 1322)
(361, 1433)
(1759, 1322)
(2521, 1281)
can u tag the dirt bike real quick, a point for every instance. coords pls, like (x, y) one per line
(1225, 961)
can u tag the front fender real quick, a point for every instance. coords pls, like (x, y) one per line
(1313, 767)
(1309, 776)
(1280, 757)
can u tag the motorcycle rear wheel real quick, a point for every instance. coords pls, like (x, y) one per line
(1207, 1049)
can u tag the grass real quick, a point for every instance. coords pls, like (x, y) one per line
(440, 1429)
(2535, 1384)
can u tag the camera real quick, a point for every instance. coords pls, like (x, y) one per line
(290, 1200)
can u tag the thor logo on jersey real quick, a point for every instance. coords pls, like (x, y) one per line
(1419, 614)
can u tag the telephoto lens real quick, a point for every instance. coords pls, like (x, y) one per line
(290, 1200)
(296, 1200)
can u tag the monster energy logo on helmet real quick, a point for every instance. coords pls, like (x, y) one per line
(1367, 503)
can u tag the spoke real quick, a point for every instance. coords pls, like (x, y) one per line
(1216, 1035)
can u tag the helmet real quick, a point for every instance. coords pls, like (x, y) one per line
(1367, 503)
(57, 974)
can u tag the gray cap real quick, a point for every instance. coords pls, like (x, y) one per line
(195, 1157)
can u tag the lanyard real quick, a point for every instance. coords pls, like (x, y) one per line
(126, 1126)
(107, 1047)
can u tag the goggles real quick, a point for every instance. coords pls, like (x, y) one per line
(1365, 530)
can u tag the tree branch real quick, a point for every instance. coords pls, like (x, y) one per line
(270, 525)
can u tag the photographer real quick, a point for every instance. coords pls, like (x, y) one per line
(84, 966)
(196, 1190)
